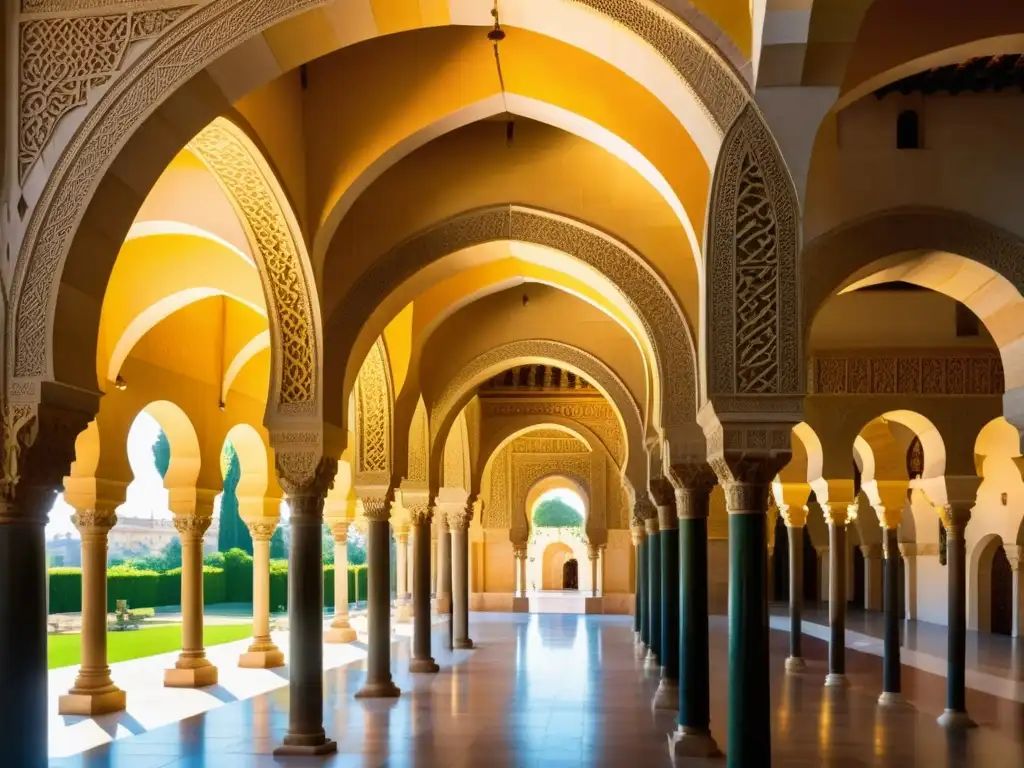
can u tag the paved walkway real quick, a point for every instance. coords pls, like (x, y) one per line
(151, 705)
(550, 690)
(995, 663)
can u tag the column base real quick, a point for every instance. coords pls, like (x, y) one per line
(796, 664)
(403, 613)
(190, 677)
(893, 700)
(340, 635)
(593, 604)
(651, 660)
(325, 747)
(89, 703)
(953, 720)
(692, 742)
(268, 659)
(666, 698)
(463, 644)
(386, 690)
(424, 666)
(640, 650)
(520, 605)
(836, 680)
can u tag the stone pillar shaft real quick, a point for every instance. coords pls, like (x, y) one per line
(192, 669)
(401, 570)
(836, 601)
(521, 569)
(1017, 628)
(460, 582)
(667, 695)
(444, 567)
(378, 660)
(955, 519)
(341, 630)
(93, 693)
(262, 653)
(795, 536)
(422, 660)
(23, 637)
(654, 592)
(594, 562)
(891, 602)
(642, 592)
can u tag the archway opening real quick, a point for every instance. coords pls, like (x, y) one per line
(557, 511)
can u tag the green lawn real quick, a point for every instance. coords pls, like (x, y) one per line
(66, 650)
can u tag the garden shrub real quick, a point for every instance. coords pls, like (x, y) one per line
(65, 590)
(140, 588)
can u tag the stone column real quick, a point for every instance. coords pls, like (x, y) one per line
(262, 653)
(403, 609)
(341, 630)
(378, 608)
(593, 555)
(422, 660)
(666, 698)
(444, 566)
(653, 594)
(1015, 554)
(305, 489)
(521, 557)
(692, 737)
(637, 533)
(874, 575)
(600, 569)
(889, 520)
(955, 517)
(93, 693)
(192, 669)
(458, 522)
(796, 521)
(643, 588)
(909, 554)
(410, 570)
(837, 516)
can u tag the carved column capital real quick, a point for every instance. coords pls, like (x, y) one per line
(421, 514)
(262, 530)
(643, 510)
(839, 514)
(651, 526)
(519, 552)
(793, 517)
(954, 517)
(889, 517)
(305, 474)
(1015, 554)
(637, 534)
(459, 517)
(37, 450)
(376, 508)
(94, 522)
(593, 552)
(192, 526)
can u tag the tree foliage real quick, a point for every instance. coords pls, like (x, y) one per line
(555, 513)
(162, 453)
(278, 546)
(232, 533)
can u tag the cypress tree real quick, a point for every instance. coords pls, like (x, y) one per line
(232, 532)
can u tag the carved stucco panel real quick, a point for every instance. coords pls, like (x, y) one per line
(373, 414)
(282, 271)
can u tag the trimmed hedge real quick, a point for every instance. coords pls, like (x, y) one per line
(231, 584)
(65, 590)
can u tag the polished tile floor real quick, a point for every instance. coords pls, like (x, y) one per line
(550, 690)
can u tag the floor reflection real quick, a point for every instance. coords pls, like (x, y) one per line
(554, 690)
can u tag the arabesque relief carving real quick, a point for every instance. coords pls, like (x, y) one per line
(276, 248)
(753, 327)
(373, 413)
(908, 373)
(91, 51)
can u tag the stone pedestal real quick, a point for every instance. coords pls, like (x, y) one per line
(262, 653)
(192, 669)
(93, 693)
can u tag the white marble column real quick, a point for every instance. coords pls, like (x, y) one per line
(192, 669)
(262, 652)
(872, 576)
(403, 611)
(593, 554)
(341, 630)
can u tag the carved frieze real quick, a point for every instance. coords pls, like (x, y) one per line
(908, 372)
(373, 414)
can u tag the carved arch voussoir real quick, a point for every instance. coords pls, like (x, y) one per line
(753, 340)
(188, 46)
(374, 405)
(664, 324)
(280, 256)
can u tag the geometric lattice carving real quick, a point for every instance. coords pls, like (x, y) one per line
(289, 307)
(456, 456)
(61, 59)
(419, 444)
(373, 415)
(753, 322)
(908, 373)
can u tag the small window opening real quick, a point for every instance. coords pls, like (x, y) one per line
(908, 130)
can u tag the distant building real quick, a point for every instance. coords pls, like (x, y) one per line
(131, 537)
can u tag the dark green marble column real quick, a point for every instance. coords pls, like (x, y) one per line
(653, 660)
(750, 737)
(955, 518)
(666, 698)
(638, 582)
(692, 737)
(643, 589)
